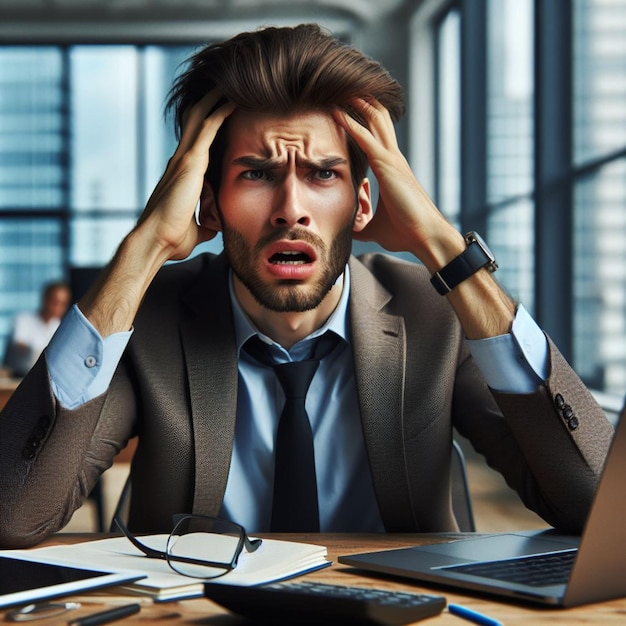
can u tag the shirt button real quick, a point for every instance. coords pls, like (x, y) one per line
(90, 361)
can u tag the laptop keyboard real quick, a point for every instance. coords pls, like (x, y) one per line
(536, 571)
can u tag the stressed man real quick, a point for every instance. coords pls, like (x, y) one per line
(277, 129)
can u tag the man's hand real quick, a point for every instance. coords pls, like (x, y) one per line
(406, 219)
(166, 230)
(169, 216)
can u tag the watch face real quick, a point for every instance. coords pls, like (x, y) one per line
(491, 265)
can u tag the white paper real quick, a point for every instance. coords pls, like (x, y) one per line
(273, 560)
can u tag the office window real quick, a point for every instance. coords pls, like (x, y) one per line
(510, 161)
(33, 149)
(83, 141)
(543, 93)
(120, 141)
(104, 127)
(448, 111)
(599, 158)
(32, 138)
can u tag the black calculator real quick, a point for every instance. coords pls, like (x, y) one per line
(319, 603)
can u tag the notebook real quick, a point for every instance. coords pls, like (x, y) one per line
(595, 563)
(275, 560)
(23, 581)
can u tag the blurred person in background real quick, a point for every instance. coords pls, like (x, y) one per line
(32, 330)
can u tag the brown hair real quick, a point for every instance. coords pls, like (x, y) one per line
(284, 70)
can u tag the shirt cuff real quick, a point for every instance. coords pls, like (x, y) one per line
(81, 364)
(516, 362)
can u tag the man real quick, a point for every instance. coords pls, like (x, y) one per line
(276, 131)
(33, 330)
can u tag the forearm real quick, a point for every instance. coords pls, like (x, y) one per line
(406, 219)
(112, 303)
(167, 228)
(482, 306)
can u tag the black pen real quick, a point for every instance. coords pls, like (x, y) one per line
(104, 617)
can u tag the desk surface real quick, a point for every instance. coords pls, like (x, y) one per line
(204, 612)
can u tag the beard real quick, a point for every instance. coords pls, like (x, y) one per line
(289, 295)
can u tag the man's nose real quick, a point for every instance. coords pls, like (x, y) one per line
(290, 208)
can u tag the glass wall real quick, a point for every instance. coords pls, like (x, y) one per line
(83, 141)
(599, 164)
(33, 176)
(510, 159)
(448, 145)
(539, 136)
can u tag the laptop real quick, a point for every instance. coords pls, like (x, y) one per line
(539, 566)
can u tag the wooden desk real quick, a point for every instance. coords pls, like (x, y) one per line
(204, 612)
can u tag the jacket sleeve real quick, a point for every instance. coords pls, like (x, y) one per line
(550, 445)
(52, 457)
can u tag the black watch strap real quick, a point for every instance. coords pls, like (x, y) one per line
(476, 256)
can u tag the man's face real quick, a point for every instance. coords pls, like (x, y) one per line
(288, 206)
(56, 303)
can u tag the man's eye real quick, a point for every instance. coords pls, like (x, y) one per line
(255, 175)
(325, 174)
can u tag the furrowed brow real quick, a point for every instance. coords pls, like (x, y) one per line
(257, 163)
(322, 164)
(268, 163)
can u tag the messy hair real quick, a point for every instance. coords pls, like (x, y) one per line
(284, 70)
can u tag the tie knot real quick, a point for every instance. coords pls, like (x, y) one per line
(322, 347)
(295, 376)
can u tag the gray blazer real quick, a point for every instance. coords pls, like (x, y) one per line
(176, 388)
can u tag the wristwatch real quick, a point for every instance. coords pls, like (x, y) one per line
(476, 255)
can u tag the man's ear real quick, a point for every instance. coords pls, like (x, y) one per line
(364, 212)
(208, 214)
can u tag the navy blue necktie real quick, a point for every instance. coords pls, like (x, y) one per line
(295, 504)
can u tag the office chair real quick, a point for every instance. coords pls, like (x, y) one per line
(97, 497)
(122, 506)
(461, 498)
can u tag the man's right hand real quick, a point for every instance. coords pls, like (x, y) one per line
(167, 229)
(169, 216)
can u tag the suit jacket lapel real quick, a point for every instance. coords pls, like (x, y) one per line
(208, 330)
(379, 357)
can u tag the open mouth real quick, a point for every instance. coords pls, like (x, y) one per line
(290, 258)
(293, 254)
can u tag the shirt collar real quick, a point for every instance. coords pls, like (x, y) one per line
(337, 322)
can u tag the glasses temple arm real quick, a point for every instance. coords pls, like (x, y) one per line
(251, 544)
(147, 550)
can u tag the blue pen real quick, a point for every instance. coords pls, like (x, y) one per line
(472, 616)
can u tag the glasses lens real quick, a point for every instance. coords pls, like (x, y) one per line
(204, 547)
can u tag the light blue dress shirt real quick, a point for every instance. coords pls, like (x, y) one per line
(81, 366)
(346, 492)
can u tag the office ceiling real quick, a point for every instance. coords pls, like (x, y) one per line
(172, 21)
(37, 10)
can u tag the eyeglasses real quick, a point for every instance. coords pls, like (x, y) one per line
(199, 546)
